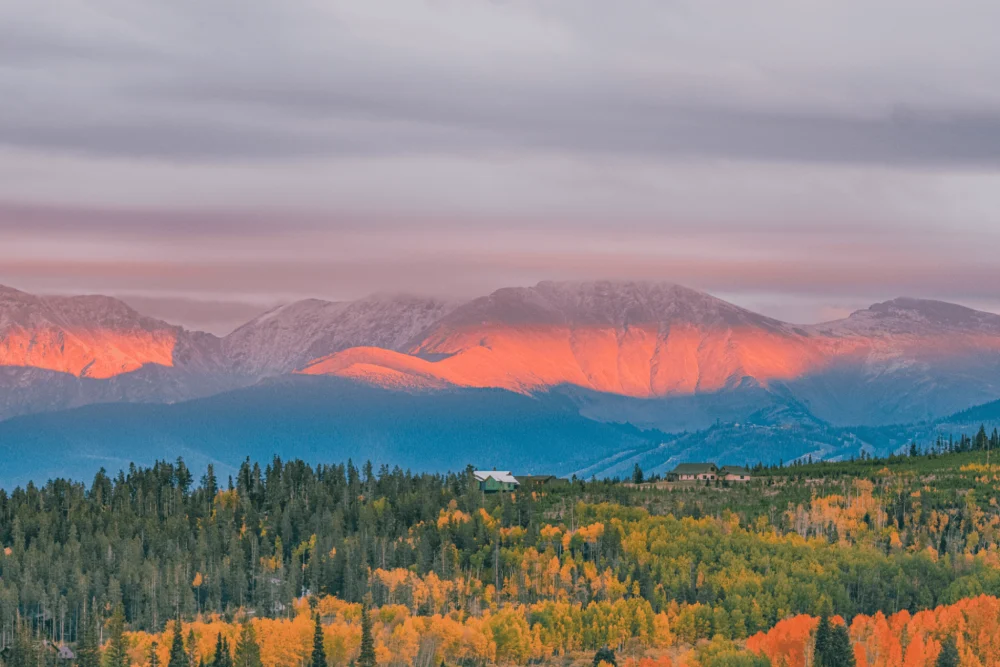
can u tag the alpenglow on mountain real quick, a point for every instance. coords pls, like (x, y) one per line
(901, 360)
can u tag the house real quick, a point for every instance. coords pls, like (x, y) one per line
(61, 651)
(541, 481)
(691, 472)
(496, 481)
(735, 474)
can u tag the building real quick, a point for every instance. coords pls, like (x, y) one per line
(496, 481)
(544, 481)
(735, 474)
(695, 472)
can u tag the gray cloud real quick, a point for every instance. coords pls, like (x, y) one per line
(182, 81)
(781, 152)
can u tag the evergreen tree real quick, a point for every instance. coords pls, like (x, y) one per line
(178, 658)
(948, 657)
(840, 653)
(23, 652)
(88, 652)
(605, 654)
(367, 656)
(637, 475)
(194, 656)
(247, 648)
(222, 656)
(981, 439)
(116, 654)
(318, 652)
(823, 636)
(154, 660)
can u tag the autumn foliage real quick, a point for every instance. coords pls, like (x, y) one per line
(900, 640)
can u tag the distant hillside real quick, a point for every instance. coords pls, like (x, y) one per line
(318, 419)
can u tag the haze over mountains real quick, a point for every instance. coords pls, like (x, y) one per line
(657, 356)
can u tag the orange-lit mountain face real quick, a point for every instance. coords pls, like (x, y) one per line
(904, 359)
(646, 340)
(92, 336)
(632, 339)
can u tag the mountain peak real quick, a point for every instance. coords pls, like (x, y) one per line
(931, 312)
(288, 337)
(605, 303)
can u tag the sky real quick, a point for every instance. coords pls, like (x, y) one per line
(208, 160)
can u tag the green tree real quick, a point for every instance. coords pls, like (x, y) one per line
(318, 652)
(822, 647)
(178, 658)
(637, 475)
(839, 653)
(88, 653)
(247, 648)
(116, 654)
(222, 658)
(154, 659)
(367, 656)
(24, 652)
(948, 657)
(605, 654)
(194, 656)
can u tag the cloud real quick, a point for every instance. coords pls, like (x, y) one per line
(233, 153)
(182, 81)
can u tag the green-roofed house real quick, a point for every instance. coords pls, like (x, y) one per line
(735, 474)
(695, 472)
(495, 481)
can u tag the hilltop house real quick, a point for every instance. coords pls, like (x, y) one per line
(541, 480)
(735, 474)
(495, 481)
(692, 472)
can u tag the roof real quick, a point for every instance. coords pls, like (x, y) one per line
(734, 470)
(694, 468)
(537, 479)
(498, 475)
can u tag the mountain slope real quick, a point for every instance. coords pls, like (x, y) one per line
(898, 361)
(59, 352)
(87, 336)
(633, 339)
(903, 360)
(318, 419)
(288, 337)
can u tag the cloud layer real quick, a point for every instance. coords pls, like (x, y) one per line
(800, 157)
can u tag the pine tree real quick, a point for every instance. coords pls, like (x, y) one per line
(178, 658)
(222, 657)
(116, 654)
(247, 648)
(605, 654)
(840, 653)
(637, 475)
(823, 636)
(948, 657)
(318, 652)
(367, 656)
(154, 659)
(194, 656)
(89, 651)
(981, 439)
(23, 652)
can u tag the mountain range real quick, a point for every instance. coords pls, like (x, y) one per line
(635, 366)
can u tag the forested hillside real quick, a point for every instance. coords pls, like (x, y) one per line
(671, 573)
